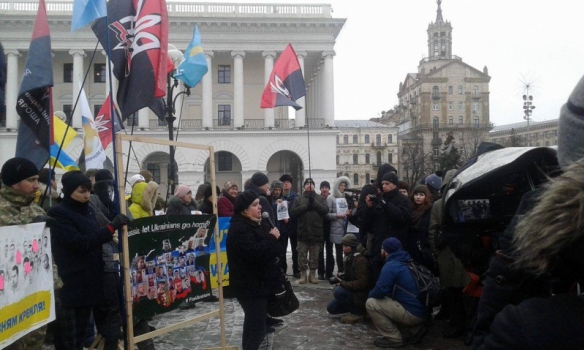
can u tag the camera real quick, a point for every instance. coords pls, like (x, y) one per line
(335, 279)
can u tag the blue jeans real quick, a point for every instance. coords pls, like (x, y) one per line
(343, 302)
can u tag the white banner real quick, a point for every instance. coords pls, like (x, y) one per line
(27, 299)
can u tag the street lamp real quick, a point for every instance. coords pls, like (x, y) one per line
(171, 83)
(528, 108)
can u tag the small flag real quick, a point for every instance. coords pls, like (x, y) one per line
(63, 134)
(103, 123)
(34, 98)
(194, 64)
(93, 150)
(286, 84)
(64, 162)
(86, 11)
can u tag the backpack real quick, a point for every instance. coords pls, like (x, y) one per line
(371, 265)
(430, 292)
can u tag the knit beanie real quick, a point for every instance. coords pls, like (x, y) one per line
(350, 240)
(16, 170)
(308, 180)
(103, 174)
(571, 127)
(325, 184)
(259, 179)
(391, 245)
(229, 184)
(286, 177)
(135, 179)
(182, 190)
(73, 179)
(244, 199)
(391, 177)
(434, 181)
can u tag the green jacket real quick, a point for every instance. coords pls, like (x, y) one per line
(309, 223)
(16, 208)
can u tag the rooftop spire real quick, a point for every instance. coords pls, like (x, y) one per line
(439, 18)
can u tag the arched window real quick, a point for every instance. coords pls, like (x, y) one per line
(378, 158)
(435, 123)
(435, 93)
(378, 139)
(366, 138)
(389, 138)
(355, 139)
(355, 179)
(367, 179)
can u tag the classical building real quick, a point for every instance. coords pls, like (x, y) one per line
(544, 133)
(445, 96)
(241, 44)
(362, 146)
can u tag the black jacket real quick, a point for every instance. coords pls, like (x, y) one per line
(252, 253)
(77, 240)
(266, 206)
(176, 206)
(105, 213)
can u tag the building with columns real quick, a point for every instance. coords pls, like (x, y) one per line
(531, 134)
(241, 44)
(445, 96)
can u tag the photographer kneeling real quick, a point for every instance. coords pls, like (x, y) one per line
(352, 287)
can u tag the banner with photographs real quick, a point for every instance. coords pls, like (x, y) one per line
(27, 299)
(223, 228)
(170, 261)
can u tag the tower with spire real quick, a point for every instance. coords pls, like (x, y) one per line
(439, 37)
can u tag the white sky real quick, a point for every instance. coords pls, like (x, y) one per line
(520, 41)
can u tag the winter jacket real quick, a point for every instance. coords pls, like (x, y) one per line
(357, 276)
(143, 199)
(290, 228)
(77, 240)
(225, 205)
(206, 206)
(358, 216)
(266, 206)
(252, 253)
(417, 244)
(176, 206)
(17, 208)
(395, 272)
(309, 220)
(337, 230)
(105, 213)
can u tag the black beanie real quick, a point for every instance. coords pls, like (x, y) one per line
(16, 170)
(73, 179)
(286, 177)
(325, 184)
(308, 180)
(391, 177)
(103, 174)
(243, 200)
(259, 179)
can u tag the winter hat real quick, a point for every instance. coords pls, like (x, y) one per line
(402, 185)
(276, 184)
(147, 175)
(434, 181)
(391, 177)
(286, 177)
(17, 169)
(391, 245)
(259, 179)
(229, 184)
(73, 179)
(308, 180)
(103, 174)
(571, 127)
(244, 199)
(325, 184)
(182, 190)
(350, 240)
(135, 179)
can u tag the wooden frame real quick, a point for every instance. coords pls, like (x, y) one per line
(131, 340)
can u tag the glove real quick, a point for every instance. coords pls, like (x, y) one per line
(120, 220)
(44, 218)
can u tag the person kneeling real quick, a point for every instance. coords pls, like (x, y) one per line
(389, 304)
(350, 292)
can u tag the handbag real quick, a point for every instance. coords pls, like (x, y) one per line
(283, 303)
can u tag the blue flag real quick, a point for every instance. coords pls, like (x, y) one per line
(86, 11)
(194, 64)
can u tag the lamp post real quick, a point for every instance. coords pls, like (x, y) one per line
(528, 108)
(171, 83)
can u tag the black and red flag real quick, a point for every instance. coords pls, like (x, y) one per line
(35, 134)
(286, 84)
(138, 39)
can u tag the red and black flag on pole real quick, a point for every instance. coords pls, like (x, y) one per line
(286, 84)
(138, 39)
(35, 134)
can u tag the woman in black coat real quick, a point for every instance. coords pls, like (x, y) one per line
(254, 273)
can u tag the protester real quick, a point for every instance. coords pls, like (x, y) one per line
(338, 218)
(143, 199)
(404, 188)
(182, 202)
(260, 185)
(383, 169)
(434, 182)
(200, 195)
(417, 244)
(206, 206)
(17, 207)
(47, 195)
(288, 227)
(90, 173)
(135, 179)
(252, 251)
(359, 218)
(276, 189)
(226, 201)
(388, 304)
(325, 269)
(352, 288)
(309, 210)
(77, 241)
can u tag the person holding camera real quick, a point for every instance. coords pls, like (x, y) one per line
(352, 287)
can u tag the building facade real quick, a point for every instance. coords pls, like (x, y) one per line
(241, 44)
(445, 96)
(532, 134)
(362, 146)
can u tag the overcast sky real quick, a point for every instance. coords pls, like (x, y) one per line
(520, 41)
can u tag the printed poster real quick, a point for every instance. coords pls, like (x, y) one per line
(27, 300)
(223, 228)
(342, 206)
(282, 210)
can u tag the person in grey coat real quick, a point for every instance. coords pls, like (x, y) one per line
(338, 220)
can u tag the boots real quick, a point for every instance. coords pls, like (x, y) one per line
(312, 277)
(302, 279)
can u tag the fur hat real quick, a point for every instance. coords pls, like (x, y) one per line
(244, 199)
(402, 185)
(350, 240)
(259, 179)
(135, 179)
(391, 177)
(325, 184)
(103, 174)
(17, 169)
(286, 177)
(434, 181)
(73, 179)
(276, 184)
(571, 127)
(182, 190)
(392, 245)
(229, 184)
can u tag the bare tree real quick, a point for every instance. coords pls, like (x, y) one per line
(415, 163)
(469, 142)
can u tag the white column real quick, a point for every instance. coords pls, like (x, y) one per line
(207, 102)
(77, 80)
(11, 88)
(178, 106)
(301, 113)
(107, 76)
(144, 118)
(237, 87)
(328, 88)
(268, 67)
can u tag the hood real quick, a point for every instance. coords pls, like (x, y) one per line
(175, 202)
(100, 189)
(335, 189)
(138, 192)
(400, 255)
